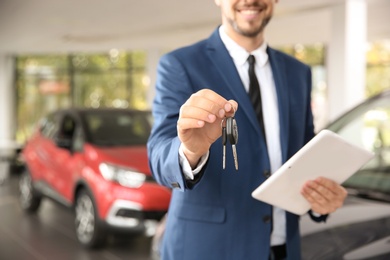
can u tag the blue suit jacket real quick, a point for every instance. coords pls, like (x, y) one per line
(216, 217)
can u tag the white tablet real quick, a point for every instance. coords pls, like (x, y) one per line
(327, 155)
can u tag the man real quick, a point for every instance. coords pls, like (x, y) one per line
(212, 214)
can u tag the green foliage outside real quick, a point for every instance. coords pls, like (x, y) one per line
(119, 79)
(45, 83)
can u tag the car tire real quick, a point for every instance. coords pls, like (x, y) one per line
(89, 230)
(29, 199)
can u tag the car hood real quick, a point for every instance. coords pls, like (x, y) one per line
(134, 157)
(358, 230)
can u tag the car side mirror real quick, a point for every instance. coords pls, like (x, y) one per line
(65, 143)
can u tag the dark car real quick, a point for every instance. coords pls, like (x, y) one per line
(361, 228)
(95, 162)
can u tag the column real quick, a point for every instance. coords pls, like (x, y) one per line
(346, 57)
(7, 96)
(7, 113)
(153, 56)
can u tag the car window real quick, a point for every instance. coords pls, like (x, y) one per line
(67, 129)
(49, 126)
(118, 127)
(369, 128)
(78, 139)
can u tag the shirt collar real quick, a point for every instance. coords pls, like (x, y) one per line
(239, 54)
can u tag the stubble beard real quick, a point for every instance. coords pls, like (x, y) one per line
(249, 33)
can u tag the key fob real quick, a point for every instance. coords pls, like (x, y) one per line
(232, 130)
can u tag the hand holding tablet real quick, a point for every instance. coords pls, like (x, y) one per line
(326, 155)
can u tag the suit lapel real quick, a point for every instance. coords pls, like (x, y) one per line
(223, 62)
(219, 55)
(280, 78)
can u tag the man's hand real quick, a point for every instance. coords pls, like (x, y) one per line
(324, 195)
(199, 123)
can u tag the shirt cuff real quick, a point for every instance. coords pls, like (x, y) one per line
(315, 214)
(186, 167)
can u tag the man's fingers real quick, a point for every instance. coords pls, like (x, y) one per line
(213, 103)
(324, 195)
(195, 113)
(189, 123)
(330, 189)
(205, 103)
(233, 109)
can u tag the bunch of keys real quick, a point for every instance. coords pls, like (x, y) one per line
(229, 132)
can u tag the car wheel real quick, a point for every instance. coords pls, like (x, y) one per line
(28, 198)
(90, 232)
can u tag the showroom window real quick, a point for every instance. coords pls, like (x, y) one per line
(378, 67)
(314, 55)
(119, 79)
(45, 83)
(377, 74)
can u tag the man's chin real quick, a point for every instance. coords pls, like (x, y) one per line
(247, 29)
(250, 33)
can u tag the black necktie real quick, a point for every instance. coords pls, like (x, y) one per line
(254, 93)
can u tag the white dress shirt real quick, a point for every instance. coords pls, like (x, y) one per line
(271, 119)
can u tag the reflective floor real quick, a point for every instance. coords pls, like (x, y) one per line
(49, 234)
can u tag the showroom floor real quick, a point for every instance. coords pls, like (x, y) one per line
(50, 234)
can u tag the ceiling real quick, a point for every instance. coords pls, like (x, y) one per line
(46, 26)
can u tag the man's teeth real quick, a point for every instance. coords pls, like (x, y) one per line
(249, 12)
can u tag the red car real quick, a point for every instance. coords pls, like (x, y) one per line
(95, 162)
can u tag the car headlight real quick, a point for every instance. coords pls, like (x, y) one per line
(124, 176)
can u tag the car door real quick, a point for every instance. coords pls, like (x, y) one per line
(69, 161)
(44, 149)
(75, 162)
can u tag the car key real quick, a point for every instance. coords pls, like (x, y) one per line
(224, 138)
(232, 135)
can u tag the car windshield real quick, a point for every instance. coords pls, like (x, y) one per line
(118, 127)
(369, 127)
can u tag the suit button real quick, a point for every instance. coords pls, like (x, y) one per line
(267, 219)
(267, 173)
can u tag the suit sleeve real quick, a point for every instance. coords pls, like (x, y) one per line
(318, 217)
(173, 88)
